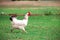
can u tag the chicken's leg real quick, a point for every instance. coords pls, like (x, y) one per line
(12, 29)
(24, 30)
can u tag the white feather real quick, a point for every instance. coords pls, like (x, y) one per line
(21, 24)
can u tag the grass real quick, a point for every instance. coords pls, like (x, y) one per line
(34, 10)
(38, 28)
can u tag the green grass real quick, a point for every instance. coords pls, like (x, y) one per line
(34, 10)
(38, 28)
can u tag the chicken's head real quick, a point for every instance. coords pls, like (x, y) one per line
(28, 13)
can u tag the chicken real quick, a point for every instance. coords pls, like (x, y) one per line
(19, 24)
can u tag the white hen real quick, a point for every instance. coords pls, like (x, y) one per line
(19, 24)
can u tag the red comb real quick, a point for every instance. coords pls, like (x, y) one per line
(29, 13)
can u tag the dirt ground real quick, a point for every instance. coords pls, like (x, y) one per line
(29, 3)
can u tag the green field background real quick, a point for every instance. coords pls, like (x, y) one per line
(34, 10)
(45, 27)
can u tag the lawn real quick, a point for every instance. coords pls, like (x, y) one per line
(38, 28)
(34, 10)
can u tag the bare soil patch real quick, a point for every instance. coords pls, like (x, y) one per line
(29, 3)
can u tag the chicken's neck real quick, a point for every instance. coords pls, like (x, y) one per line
(26, 17)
